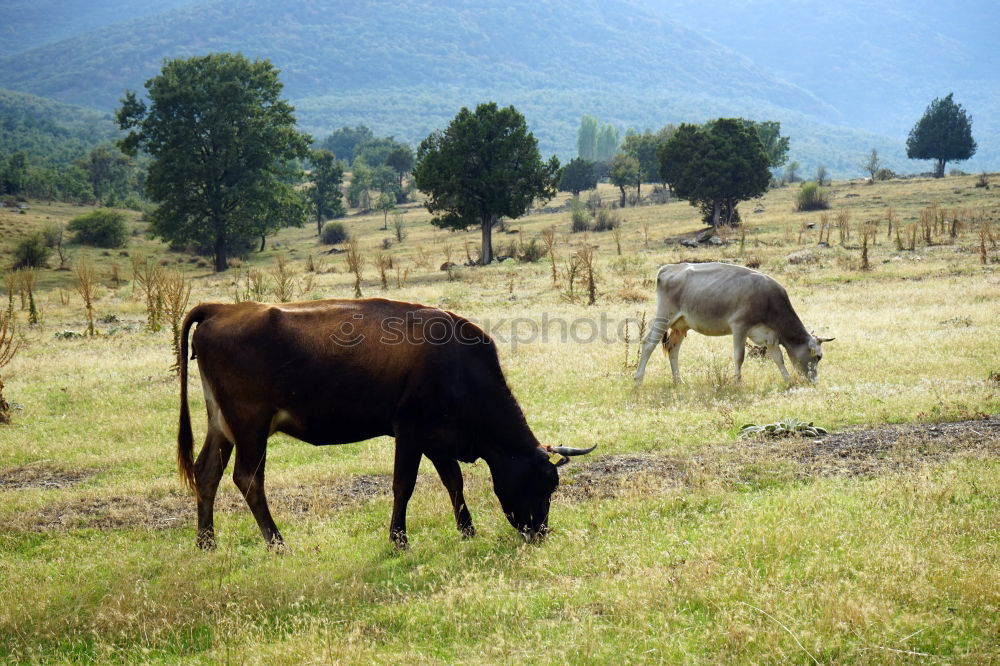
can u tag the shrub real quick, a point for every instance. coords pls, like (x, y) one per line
(606, 219)
(885, 174)
(333, 233)
(531, 251)
(31, 252)
(101, 228)
(811, 197)
(578, 212)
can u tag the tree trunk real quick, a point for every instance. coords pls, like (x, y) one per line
(622, 188)
(263, 242)
(486, 255)
(715, 213)
(319, 224)
(221, 260)
(939, 169)
(638, 191)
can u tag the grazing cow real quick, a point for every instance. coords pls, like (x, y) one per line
(722, 299)
(338, 371)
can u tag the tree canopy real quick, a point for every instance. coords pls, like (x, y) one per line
(579, 174)
(221, 141)
(715, 166)
(326, 177)
(483, 166)
(943, 134)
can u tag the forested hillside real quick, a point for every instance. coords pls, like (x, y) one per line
(50, 132)
(842, 78)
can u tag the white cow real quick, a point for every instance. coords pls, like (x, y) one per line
(722, 299)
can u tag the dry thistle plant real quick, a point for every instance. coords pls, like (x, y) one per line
(844, 225)
(401, 274)
(8, 349)
(147, 275)
(12, 281)
(645, 233)
(85, 283)
(586, 255)
(616, 233)
(549, 241)
(356, 263)
(28, 277)
(310, 264)
(115, 274)
(176, 294)
(63, 297)
(283, 285)
(824, 223)
(869, 230)
(890, 220)
(398, 227)
(423, 259)
(985, 234)
(572, 270)
(383, 262)
(928, 222)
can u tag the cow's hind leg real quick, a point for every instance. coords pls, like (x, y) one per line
(208, 471)
(248, 474)
(404, 478)
(672, 347)
(451, 477)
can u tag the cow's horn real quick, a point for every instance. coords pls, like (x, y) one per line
(825, 339)
(570, 451)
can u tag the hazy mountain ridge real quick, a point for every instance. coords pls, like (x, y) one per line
(405, 70)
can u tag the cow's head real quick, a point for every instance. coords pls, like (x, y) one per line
(807, 356)
(524, 486)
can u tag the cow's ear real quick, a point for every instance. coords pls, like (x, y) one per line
(557, 459)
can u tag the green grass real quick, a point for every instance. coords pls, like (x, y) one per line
(745, 560)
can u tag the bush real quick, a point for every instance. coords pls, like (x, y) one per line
(885, 174)
(578, 213)
(812, 197)
(31, 252)
(606, 220)
(101, 228)
(333, 233)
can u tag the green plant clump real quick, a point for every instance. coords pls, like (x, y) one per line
(333, 233)
(101, 228)
(812, 197)
(32, 252)
(783, 428)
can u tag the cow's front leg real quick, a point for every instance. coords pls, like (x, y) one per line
(404, 478)
(451, 477)
(779, 360)
(672, 346)
(739, 352)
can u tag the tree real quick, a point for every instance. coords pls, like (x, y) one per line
(111, 173)
(586, 138)
(386, 203)
(485, 165)
(607, 143)
(326, 177)
(624, 172)
(715, 166)
(220, 137)
(944, 134)
(872, 164)
(792, 172)
(344, 141)
(361, 182)
(15, 174)
(643, 148)
(401, 161)
(775, 145)
(578, 175)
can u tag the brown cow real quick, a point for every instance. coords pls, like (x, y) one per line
(338, 371)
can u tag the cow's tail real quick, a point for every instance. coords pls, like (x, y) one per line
(185, 438)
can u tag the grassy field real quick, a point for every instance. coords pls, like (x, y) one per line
(675, 541)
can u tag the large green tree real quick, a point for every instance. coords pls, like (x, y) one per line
(623, 172)
(483, 166)
(643, 148)
(220, 138)
(578, 175)
(715, 166)
(326, 177)
(775, 145)
(943, 134)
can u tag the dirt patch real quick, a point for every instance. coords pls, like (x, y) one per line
(853, 452)
(177, 509)
(41, 476)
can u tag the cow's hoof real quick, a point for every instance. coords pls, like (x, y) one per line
(206, 541)
(468, 532)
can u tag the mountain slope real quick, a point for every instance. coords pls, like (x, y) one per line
(50, 132)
